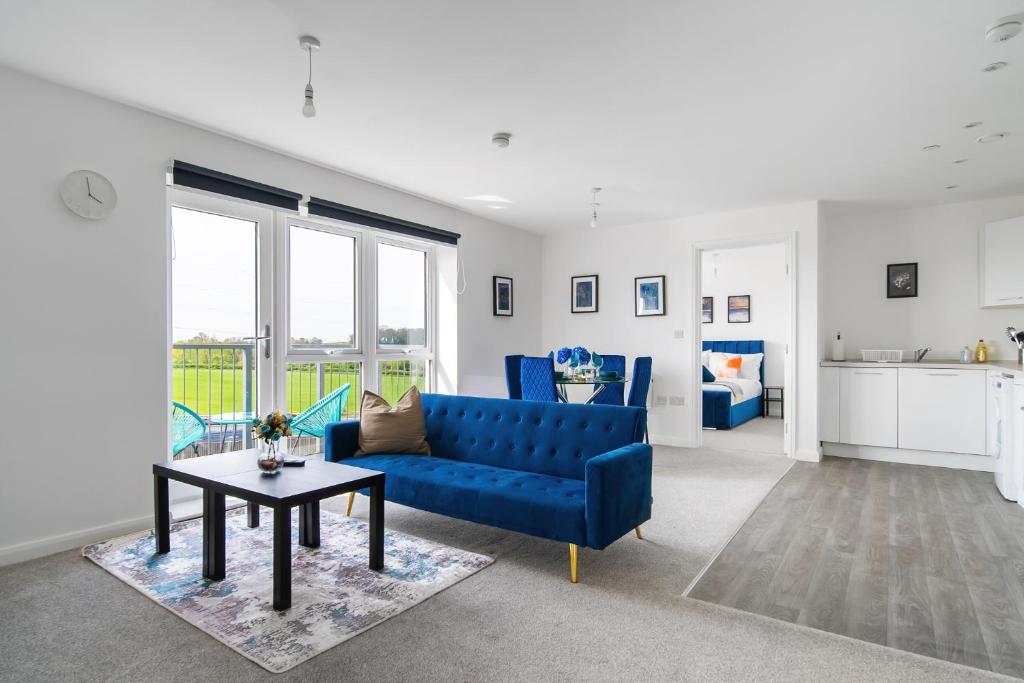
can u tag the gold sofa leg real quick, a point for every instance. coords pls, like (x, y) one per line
(351, 499)
(573, 551)
(638, 534)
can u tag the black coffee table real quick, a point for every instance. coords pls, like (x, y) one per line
(236, 474)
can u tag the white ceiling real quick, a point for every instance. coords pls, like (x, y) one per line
(675, 107)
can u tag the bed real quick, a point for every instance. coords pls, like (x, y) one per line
(730, 403)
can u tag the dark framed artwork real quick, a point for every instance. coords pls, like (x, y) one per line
(900, 280)
(584, 294)
(650, 295)
(707, 309)
(739, 309)
(502, 295)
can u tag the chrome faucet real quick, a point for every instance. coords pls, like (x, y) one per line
(919, 354)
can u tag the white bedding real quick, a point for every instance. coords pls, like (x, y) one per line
(741, 389)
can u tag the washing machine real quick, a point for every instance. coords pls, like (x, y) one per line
(1001, 428)
(1016, 418)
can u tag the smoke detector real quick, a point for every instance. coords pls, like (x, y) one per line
(501, 140)
(1004, 29)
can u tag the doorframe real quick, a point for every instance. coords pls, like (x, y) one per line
(697, 249)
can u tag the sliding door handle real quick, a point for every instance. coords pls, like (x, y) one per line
(265, 338)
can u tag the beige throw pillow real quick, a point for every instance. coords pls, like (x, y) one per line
(401, 429)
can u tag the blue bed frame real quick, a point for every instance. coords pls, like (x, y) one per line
(719, 411)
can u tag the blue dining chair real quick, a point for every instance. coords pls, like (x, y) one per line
(639, 385)
(538, 379)
(513, 368)
(612, 395)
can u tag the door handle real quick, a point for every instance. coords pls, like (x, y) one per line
(866, 373)
(265, 338)
(942, 374)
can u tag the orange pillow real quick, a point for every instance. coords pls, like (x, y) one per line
(730, 369)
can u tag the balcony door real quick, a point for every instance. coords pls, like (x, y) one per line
(221, 321)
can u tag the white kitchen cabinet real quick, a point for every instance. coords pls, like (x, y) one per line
(1002, 278)
(868, 404)
(942, 410)
(828, 414)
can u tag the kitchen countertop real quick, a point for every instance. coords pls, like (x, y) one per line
(1005, 365)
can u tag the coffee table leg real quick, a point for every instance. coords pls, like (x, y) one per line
(213, 534)
(282, 557)
(309, 524)
(162, 514)
(377, 526)
(254, 515)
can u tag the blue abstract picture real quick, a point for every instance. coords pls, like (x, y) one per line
(650, 295)
(584, 294)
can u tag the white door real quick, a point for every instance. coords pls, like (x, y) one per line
(221, 316)
(942, 410)
(868, 406)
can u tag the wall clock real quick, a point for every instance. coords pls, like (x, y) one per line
(88, 194)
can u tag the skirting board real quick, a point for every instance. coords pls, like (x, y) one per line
(957, 461)
(30, 550)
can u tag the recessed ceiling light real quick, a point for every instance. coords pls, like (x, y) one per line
(972, 124)
(992, 137)
(1004, 29)
(994, 66)
(960, 161)
(952, 187)
(492, 198)
(930, 148)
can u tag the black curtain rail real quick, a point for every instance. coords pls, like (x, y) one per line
(350, 214)
(190, 175)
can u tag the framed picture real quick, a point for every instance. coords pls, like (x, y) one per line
(584, 294)
(650, 295)
(707, 309)
(900, 280)
(502, 295)
(739, 309)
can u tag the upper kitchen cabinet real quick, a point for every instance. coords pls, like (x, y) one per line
(1001, 251)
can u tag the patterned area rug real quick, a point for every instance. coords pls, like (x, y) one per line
(335, 596)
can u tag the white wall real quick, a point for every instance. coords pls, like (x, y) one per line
(84, 322)
(760, 272)
(943, 240)
(665, 247)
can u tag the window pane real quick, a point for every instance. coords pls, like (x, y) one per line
(322, 292)
(307, 383)
(401, 296)
(396, 376)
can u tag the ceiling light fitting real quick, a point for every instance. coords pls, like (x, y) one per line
(952, 187)
(501, 140)
(972, 124)
(1004, 29)
(994, 66)
(993, 137)
(593, 206)
(309, 43)
(931, 148)
(960, 161)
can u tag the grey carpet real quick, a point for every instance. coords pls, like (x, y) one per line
(520, 619)
(760, 435)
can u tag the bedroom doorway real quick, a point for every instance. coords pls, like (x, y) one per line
(745, 333)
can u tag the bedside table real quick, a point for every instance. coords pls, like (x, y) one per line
(768, 398)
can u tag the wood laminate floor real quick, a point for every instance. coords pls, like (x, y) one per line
(924, 559)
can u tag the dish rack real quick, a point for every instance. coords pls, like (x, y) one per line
(881, 355)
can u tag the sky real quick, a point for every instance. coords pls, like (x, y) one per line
(214, 280)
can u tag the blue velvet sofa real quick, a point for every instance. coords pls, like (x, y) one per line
(574, 473)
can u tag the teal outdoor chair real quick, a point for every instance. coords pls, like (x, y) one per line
(314, 420)
(187, 428)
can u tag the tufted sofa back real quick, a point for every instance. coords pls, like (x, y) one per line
(555, 439)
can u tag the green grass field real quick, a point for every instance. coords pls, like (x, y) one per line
(211, 391)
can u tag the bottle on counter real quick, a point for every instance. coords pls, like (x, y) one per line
(981, 352)
(838, 348)
(965, 355)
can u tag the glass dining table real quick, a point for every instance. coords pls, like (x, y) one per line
(599, 384)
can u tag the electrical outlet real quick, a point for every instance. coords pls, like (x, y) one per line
(660, 401)
(680, 334)
(675, 400)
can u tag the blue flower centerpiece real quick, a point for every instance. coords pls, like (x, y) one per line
(583, 354)
(564, 354)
